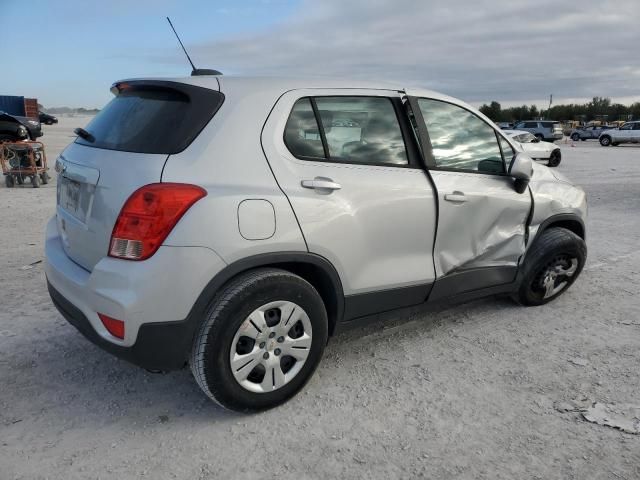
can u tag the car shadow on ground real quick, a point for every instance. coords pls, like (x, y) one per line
(94, 388)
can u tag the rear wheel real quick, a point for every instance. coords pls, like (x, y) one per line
(262, 340)
(605, 141)
(551, 266)
(9, 181)
(35, 180)
(45, 178)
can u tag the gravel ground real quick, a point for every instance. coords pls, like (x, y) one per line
(468, 392)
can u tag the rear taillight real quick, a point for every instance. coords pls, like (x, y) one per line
(148, 217)
(114, 326)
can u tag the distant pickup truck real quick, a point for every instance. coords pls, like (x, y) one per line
(19, 118)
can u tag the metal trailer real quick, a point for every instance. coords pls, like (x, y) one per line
(23, 160)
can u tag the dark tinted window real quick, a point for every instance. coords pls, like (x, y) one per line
(530, 124)
(547, 124)
(362, 130)
(636, 126)
(151, 119)
(461, 140)
(301, 134)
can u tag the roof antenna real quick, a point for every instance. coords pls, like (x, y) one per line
(195, 71)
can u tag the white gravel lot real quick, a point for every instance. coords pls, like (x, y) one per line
(469, 392)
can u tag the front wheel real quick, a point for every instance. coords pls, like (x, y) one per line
(575, 137)
(261, 341)
(551, 266)
(555, 158)
(605, 141)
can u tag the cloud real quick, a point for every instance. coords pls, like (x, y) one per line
(475, 49)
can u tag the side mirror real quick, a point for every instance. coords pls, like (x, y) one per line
(535, 140)
(521, 169)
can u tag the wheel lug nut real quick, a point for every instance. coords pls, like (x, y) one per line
(266, 355)
(262, 345)
(272, 334)
(280, 339)
(277, 351)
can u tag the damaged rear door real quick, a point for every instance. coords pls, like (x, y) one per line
(481, 218)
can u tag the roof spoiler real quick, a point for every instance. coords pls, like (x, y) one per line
(204, 71)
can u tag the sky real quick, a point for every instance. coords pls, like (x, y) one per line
(514, 51)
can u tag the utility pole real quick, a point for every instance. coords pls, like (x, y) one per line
(550, 102)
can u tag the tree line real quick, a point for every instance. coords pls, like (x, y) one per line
(600, 108)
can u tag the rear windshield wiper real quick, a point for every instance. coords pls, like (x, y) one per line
(81, 132)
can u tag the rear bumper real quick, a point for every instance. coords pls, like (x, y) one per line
(151, 297)
(159, 346)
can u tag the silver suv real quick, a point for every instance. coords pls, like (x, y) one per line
(627, 133)
(544, 130)
(234, 224)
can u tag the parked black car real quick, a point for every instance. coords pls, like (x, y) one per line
(13, 127)
(47, 119)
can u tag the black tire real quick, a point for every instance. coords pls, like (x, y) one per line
(19, 179)
(583, 139)
(210, 357)
(555, 158)
(9, 181)
(555, 244)
(45, 178)
(605, 140)
(8, 138)
(575, 137)
(35, 180)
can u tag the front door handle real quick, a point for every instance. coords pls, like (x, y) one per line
(455, 197)
(321, 183)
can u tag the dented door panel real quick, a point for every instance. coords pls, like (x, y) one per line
(486, 230)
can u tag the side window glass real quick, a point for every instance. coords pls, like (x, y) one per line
(636, 126)
(460, 140)
(507, 151)
(301, 134)
(362, 130)
(531, 125)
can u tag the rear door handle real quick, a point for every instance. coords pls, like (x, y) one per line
(321, 183)
(455, 197)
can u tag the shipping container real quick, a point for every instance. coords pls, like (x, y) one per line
(19, 106)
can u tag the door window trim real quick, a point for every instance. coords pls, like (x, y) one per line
(425, 139)
(413, 157)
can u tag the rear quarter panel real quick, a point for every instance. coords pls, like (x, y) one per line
(227, 160)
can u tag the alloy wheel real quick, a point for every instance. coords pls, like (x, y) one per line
(555, 276)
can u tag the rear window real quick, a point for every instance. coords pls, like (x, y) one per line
(157, 117)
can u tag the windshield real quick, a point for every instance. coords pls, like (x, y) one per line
(525, 138)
